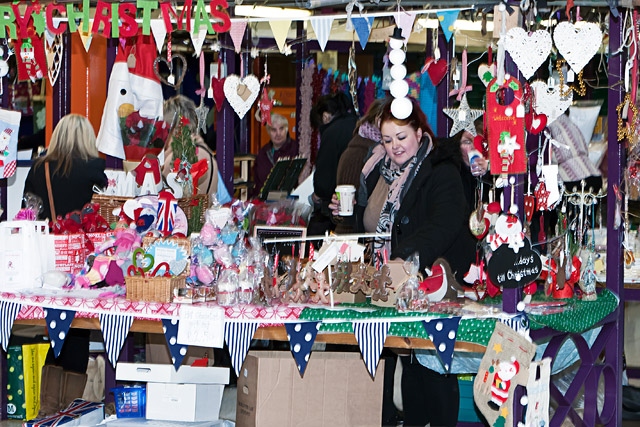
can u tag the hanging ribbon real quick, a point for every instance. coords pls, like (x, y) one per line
(463, 83)
(202, 91)
(349, 9)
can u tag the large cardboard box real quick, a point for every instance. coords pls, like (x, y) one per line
(184, 402)
(336, 390)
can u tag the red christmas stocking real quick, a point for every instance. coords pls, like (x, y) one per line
(505, 364)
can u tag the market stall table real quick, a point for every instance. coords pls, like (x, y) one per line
(406, 330)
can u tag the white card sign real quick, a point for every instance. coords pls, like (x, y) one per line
(201, 326)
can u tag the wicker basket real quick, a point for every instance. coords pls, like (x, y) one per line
(188, 205)
(184, 243)
(155, 289)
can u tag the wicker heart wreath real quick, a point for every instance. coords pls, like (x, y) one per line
(170, 65)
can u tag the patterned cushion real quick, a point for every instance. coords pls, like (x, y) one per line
(572, 155)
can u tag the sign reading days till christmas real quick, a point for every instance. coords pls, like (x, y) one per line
(505, 127)
(511, 269)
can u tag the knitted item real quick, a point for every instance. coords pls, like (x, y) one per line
(504, 365)
(537, 399)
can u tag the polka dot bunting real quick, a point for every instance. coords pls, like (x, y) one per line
(301, 339)
(443, 333)
(58, 324)
(178, 351)
(446, 20)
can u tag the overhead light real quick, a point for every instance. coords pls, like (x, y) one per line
(270, 12)
(459, 24)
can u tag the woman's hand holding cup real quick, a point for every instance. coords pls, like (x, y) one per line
(342, 200)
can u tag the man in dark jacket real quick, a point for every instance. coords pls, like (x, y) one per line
(281, 145)
(333, 116)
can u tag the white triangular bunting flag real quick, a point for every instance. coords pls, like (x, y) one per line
(404, 21)
(370, 337)
(237, 33)
(322, 27)
(86, 37)
(280, 30)
(9, 312)
(197, 37)
(115, 329)
(238, 336)
(159, 32)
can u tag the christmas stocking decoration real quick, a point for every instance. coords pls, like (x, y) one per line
(504, 366)
(537, 398)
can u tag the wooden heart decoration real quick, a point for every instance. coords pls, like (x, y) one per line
(241, 93)
(535, 123)
(549, 102)
(169, 65)
(486, 73)
(577, 46)
(437, 70)
(528, 50)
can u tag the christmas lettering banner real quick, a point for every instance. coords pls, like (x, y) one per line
(113, 19)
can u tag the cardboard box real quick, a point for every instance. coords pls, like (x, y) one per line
(79, 413)
(336, 390)
(184, 402)
(161, 373)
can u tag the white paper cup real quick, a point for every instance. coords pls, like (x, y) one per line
(346, 195)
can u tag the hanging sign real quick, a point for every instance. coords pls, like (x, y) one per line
(511, 269)
(117, 19)
(505, 127)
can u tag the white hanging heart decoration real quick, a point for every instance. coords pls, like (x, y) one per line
(577, 46)
(528, 50)
(549, 102)
(486, 73)
(241, 92)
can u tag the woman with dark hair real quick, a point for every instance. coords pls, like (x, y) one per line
(334, 118)
(411, 188)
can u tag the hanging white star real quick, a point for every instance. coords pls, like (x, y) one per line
(463, 117)
(508, 146)
(201, 113)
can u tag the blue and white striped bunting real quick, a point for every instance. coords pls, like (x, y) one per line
(8, 313)
(238, 336)
(370, 337)
(115, 328)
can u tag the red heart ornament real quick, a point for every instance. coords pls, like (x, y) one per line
(217, 85)
(480, 144)
(535, 123)
(437, 70)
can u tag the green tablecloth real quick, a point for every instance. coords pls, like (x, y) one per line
(578, 316)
